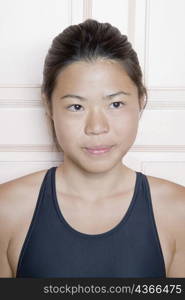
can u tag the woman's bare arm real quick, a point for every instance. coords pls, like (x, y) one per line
(177, 267)
(5, 230)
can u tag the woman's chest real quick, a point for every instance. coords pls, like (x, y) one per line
(92, 219)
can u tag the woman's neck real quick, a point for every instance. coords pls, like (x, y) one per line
(92, 186)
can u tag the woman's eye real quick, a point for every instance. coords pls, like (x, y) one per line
(117, 104)
(76, 106)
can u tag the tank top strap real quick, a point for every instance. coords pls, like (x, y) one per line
(35, 218)
(151, 217)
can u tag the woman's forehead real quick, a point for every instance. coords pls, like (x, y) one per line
(95, 65)
(94, 74)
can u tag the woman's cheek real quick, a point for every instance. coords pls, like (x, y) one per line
(68, 130)
(126, 119)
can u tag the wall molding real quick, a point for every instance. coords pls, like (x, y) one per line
(50, 147)
(158, 148)
(87, 9)
(70, 11)
(38, 86)
(26, 148)
(24, 86)
(20, 103)
(165, 105)
(131, 20)
(146, 42)
(166, 88)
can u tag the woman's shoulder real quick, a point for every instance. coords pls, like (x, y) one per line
(17, 201)
(167, 191)
(17, 195)
(14, 188)
(168, 199)
(168, 196)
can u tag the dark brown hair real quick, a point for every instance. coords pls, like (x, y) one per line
(88, 41)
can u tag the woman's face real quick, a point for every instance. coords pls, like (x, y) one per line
(95, 103)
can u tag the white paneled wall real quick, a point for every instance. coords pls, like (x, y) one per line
(156, 31)
(26, 29)
(110, 11)
(166, 44)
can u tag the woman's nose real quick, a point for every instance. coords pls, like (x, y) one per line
(96, 123)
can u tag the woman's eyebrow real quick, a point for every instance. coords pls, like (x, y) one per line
(107, 97)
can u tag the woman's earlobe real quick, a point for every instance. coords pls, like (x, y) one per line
(45, 102)
(49, 114)
(140, 113)
(142, 106)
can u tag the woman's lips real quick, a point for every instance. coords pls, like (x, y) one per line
(98, 150)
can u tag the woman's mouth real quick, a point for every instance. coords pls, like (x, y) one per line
(98, 150)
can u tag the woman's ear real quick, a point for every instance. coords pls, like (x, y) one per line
(141, 105)
(46, 106)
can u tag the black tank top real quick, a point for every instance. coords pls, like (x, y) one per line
(52, 248)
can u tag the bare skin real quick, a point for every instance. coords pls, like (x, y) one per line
(88, 185)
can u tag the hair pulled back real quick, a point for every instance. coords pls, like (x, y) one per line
(88, 41)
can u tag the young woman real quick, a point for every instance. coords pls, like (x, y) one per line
(92, 216)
